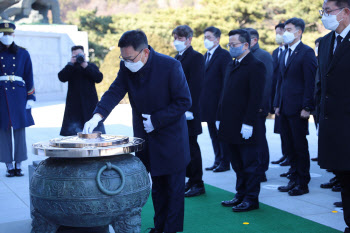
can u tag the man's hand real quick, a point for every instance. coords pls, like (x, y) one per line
(84, 64)
(189, 116)
(217, 123)
(277, 111)
(30, 104)
(92, 124)
(246, 131)
(304, 114)
(147, 124)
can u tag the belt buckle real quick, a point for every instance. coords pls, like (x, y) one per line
(11, 78)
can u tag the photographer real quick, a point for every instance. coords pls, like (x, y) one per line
(81, 97)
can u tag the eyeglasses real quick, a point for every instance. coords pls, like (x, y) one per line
(327, 12)
(231, 45)
(130, 60)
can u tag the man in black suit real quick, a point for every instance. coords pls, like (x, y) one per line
(265, 105)
(216, 60)
(193, 65)
(294, 101)
(334, 96)
(238, 115)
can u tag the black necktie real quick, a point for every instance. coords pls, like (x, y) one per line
(179, 57)
(289, 55)
(339, 39)
(208, 59)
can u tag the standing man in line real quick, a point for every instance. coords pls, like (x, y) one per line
(216, 60)
(238, 115)
(193, 65)
(265, 105)
(17, 96)
(159, 97)
(294, 101)
(334, 97)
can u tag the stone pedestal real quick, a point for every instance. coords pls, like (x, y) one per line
(50, 49)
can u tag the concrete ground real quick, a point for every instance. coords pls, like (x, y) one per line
(316, 206)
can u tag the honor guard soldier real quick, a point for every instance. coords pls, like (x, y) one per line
(17, 96)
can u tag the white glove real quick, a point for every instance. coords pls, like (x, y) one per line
(30, 104)
(92, 124)
(318, 127)
(246, 131)
(147, 124)
(189, 116)
(217, 123)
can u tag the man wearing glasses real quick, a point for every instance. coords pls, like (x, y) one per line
(333, 98)
(159, 97)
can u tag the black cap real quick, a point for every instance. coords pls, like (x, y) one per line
(7, 26)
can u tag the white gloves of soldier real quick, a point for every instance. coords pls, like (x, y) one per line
(189, 116)
(30, 104)
(246, 131)
(147, 124)
(217, 123)
(92, 124)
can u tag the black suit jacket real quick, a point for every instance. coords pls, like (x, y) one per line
(241, 99)
(296, 84)
(334, 103)
(193, 65)
(212, 85)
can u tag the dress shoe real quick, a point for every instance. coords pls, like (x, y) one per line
(336, 188)
(338, 204)
(212, 167)
(187, 186)
(314, 159)
(298, 190)
(245, 206)
(231, 203)
(284, 174)
(153, 230)
(290, 186)
(195, 190)
(221, 168)
(285, 163)
(18, 172)
(279, 161)
(10, 173)
(330, 184)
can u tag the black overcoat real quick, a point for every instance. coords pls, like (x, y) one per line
(193, 65)
(160, 89)
(81, 97)
(334, 104)
(241, 98)
(212, 84)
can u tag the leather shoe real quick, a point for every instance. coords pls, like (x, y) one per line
(284, 174)
(10, 173)
(298, 190)
(290, 186)
(285, 163)
(338, 204)
(330, 184)
(221, 168)
(314, 159)
(195, 190)
(153, 230)
(187, 186)
(336, 188)
(279, 161)
(231, 203)
(212, 167)
(18, 172)
(245, 206)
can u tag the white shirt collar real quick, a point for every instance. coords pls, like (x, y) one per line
(282, 47)
(294, 46)
(239, 60)
(344, 33)
(213, 50)
(182, 52)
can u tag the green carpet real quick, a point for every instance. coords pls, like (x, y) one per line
(204, 214)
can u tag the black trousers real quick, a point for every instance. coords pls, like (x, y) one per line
(194, 170)
(220, 156)
(168, 195)
(262, 145)
(246, 163)
(344, 178)
(294, 130)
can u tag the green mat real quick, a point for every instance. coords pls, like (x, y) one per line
(204, 214)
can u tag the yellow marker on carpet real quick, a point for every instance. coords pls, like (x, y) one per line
(334, 211)
(246, 223)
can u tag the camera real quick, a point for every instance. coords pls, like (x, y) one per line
(80, 58)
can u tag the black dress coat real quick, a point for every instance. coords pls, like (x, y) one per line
(213, 82)
(193, 65)
(81, 97)
(160, 89)
(295, 88)
(241, 98)
(334, 104)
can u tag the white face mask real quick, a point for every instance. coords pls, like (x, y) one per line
(6, 40)
(179, 45)
(208, 44)
(330, 22)
(134, 66)
(288, 37)
(279, 39)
